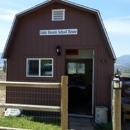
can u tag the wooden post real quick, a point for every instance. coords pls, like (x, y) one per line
(116, 109)
(2, 99)
(64, 102)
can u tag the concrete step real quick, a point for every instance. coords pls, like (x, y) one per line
(78, 123)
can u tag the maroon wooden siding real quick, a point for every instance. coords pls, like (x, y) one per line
(27, 43)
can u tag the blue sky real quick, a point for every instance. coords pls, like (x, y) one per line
(115, 15)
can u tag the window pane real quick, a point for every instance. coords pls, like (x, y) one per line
(33, 67)
(80, 68)
(46, 68)
(71, 68)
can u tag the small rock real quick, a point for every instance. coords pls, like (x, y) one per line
(12, 112)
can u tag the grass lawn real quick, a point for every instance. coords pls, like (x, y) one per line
(26, 122)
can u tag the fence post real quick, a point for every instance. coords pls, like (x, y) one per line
(2, 99)
(64, 102)
(116, 109)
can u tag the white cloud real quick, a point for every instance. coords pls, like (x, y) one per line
(118, 25)
(7, 14)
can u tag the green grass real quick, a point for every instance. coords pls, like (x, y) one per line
(27, 122)
(102, 126)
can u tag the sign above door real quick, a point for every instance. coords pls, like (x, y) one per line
(58, 32)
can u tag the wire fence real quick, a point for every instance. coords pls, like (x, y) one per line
(42, 104)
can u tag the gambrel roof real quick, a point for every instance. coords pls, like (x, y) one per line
(65, 2)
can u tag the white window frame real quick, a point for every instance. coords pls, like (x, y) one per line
(39, 59)
(58, 10)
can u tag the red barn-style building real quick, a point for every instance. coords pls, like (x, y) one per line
(56, 38)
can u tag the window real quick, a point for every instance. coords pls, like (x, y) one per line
(39, 67)
(76, 68)
(58, 14)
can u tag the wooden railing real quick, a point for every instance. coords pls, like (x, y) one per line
(64, 98)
